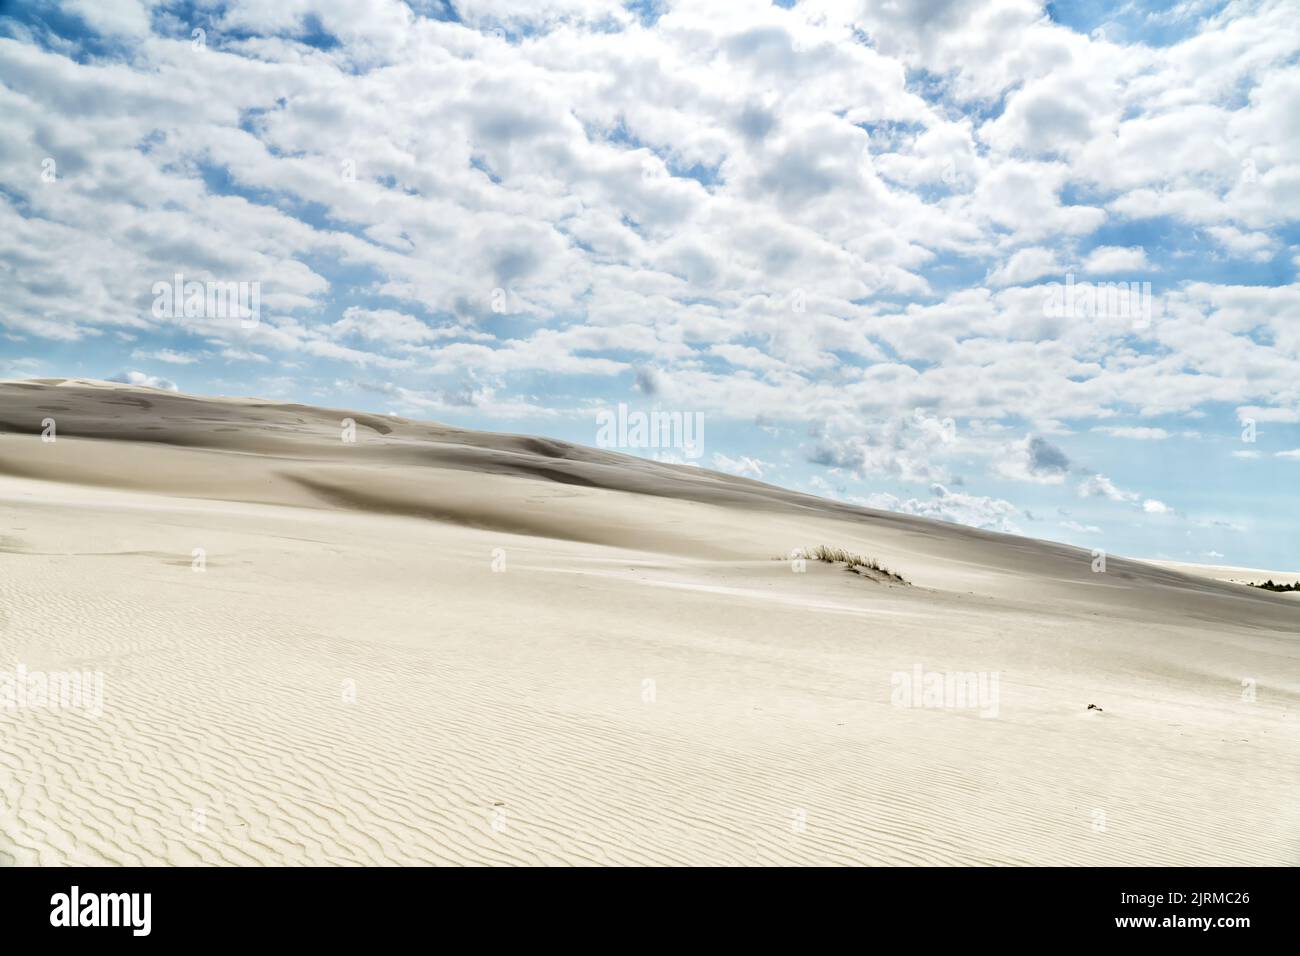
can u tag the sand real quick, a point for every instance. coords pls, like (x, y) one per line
(435, 646)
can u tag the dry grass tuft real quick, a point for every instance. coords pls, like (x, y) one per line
(853, 562)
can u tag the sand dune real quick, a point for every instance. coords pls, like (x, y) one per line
(433, 645)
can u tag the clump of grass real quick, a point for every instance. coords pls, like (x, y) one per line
(853, 562)
(1281, 588)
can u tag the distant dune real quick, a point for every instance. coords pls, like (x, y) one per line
(1226, 572)
(432, 645)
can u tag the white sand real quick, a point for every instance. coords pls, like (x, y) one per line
(1237, 575)
(507, 716)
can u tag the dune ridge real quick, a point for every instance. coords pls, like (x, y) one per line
(439, 646)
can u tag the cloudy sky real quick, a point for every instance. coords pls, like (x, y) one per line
(833, 228)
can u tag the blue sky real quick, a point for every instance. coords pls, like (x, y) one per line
(828, 228)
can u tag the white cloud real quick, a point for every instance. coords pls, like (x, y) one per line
(744, 466)
(994, 514)
(382, 325)
(170, 356)
(1099, 486)
(1266, 414)
(1025, 266)
(1080, 528)
(1258, 246)
(1138, 432)
(114, 17)
(1110, 260)
(909, 448)
(1035, 459)
(142, 380)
